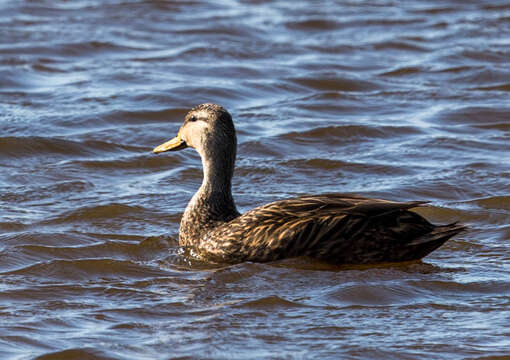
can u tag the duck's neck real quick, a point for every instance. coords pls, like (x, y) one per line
(212, 204)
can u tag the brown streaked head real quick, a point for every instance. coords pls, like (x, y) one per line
(202, 125)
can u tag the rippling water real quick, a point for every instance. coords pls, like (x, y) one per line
(406, 100)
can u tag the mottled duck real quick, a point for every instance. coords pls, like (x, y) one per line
(337, 228)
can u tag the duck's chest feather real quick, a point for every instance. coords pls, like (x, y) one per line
(205, 212)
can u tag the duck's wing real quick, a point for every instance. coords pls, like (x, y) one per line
(334, 227)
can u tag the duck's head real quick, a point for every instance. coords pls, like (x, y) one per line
(208, 128)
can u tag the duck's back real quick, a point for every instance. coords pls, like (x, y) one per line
(337, 228)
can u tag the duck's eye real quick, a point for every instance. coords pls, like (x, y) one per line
(192, 118)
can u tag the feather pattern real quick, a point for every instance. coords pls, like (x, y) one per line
(338, 228)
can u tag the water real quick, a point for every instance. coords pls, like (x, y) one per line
(405, 100)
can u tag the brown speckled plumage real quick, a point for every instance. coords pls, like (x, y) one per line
(338, 228)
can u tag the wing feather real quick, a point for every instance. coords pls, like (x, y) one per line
(312, 225)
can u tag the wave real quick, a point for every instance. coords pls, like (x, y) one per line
(32, 146)
(323, 82)
(78, 353)
(90, 269)
(343, 133)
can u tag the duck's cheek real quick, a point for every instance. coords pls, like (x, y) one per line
(197, 135)
(187, 136)
(194, 141)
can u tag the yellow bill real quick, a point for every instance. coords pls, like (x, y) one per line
(177, 143)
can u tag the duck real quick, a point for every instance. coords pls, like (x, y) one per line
(336, 228)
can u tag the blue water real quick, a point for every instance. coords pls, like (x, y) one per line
(404, 100)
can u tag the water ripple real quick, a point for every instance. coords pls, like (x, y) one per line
(397, 100)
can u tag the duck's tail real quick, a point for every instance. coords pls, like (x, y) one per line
(425, 244)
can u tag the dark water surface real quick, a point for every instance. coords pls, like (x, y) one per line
(406, 100)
